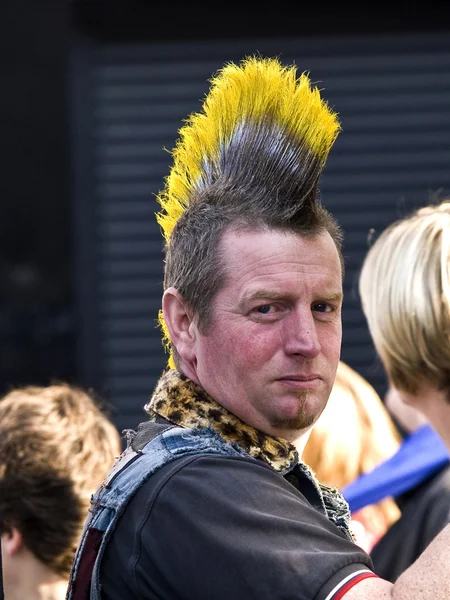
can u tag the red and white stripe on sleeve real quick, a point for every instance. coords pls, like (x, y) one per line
(338, 592)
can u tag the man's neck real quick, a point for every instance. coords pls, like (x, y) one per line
(298, 440)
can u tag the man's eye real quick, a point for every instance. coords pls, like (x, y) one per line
(264, 309)
(322, 307)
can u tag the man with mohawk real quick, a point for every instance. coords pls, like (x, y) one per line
(211, 500)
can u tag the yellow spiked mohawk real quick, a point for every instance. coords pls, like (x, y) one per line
(257, 111)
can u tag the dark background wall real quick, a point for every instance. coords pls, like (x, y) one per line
(37, 337)
(54, 292)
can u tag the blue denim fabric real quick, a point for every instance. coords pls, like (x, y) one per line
(110, 500)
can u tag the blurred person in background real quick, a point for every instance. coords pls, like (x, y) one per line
(405, 293)
(354, 434)
(56, 444)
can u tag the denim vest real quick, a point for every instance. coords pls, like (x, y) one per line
(150, 448)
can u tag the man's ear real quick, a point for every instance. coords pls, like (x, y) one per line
(180, 323)
(12, 541)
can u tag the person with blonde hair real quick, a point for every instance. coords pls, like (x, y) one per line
(405, 293)
(352, 436)
(56, 444)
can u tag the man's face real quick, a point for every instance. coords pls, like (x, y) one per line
(271, 352)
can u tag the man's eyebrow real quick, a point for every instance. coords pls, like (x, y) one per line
(273, 295)
(263, 295)
(339, 296)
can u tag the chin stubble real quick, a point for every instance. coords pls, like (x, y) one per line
(301, 421)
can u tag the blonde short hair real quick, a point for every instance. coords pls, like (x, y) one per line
(405, 293)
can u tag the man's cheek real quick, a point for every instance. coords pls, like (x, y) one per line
(253, 349)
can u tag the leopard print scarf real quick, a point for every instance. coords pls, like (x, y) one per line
(184, 403)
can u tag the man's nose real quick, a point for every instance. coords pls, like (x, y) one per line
(300, 335)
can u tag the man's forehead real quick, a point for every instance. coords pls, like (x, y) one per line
(234, 240)
(267, 261)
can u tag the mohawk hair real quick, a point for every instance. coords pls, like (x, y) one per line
(259, 111)
(254, 155)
